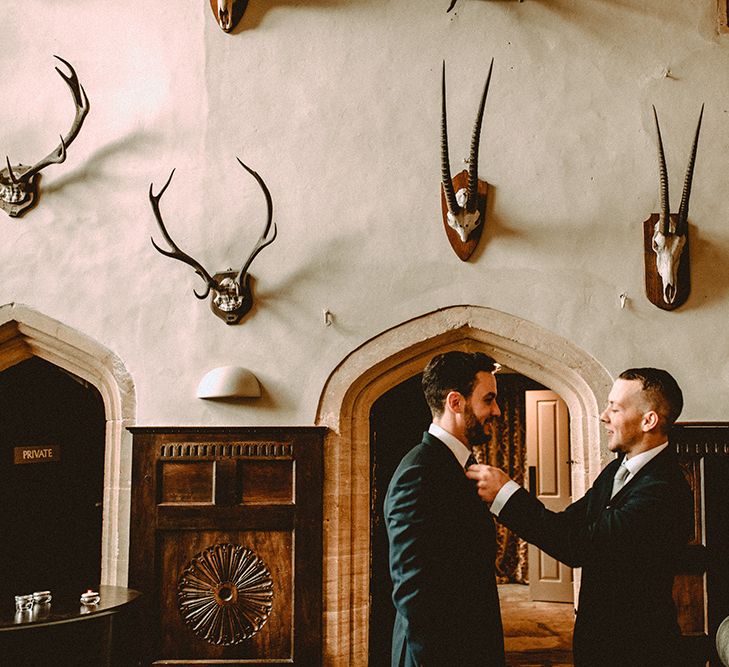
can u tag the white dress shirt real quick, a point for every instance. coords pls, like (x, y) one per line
(633, 464)
(460, 451)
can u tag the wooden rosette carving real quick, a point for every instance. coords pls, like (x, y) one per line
(225, 595)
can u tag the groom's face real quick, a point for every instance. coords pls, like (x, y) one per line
(623, 416)
(481, 408)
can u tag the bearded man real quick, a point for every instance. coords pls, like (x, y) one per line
(442, 537)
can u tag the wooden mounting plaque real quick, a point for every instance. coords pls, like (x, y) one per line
(464, 250)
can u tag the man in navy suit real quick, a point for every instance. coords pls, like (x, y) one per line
(442, 537)
(627, 533)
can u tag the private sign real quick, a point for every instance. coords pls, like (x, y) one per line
(44, 454)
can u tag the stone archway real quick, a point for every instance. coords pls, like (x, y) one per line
(26, 333)
(385, 361)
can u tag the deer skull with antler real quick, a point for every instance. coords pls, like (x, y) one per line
(669, 236)
(232, 297)
(19, 183)
(463, 209)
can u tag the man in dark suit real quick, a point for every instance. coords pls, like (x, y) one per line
(626, 533)
(442, 537)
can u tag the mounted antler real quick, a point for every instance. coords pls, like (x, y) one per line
(669, 235)
(232, 297)
(463, 209)
(18, 184)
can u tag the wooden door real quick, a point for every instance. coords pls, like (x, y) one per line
(226, 542)
(548, 455)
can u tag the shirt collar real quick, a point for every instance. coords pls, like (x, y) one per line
(460, 451)
(636, 462)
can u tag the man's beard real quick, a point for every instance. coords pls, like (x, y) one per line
(475, 431)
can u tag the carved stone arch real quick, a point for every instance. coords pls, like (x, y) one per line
(26, 333)
(382, 363)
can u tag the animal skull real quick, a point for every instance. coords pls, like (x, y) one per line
(228, 297)
(668, 249)
(463, 220)
(671, 231)
(463, 209)
(228, 12)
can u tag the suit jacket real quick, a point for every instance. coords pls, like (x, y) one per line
(628, 549)
(442, 551)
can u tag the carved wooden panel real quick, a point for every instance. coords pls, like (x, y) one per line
(227, 543)
(701, 591)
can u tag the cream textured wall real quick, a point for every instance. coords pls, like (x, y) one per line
(336, 103)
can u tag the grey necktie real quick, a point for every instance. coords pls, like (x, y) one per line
(619, 479)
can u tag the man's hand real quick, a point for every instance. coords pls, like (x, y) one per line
(489, 479)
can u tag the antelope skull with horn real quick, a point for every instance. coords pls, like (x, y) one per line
(463, 197)
(667, 276)
(232, 297)
(19, 183)
(228, 12)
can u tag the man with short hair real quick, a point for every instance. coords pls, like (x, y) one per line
(627, 532)
(442, 537)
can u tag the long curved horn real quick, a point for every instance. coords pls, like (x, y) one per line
(665, 212)
(445, 166)
(472, 200)
(262, 241)
(682, 223)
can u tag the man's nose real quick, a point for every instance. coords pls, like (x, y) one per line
(603, 415)
(496, 412)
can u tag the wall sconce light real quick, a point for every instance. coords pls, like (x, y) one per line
(229, 382)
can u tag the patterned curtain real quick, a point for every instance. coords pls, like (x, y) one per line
(507, 451)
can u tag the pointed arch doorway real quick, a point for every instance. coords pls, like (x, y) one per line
(25, 335)
(52, 467)
(386, 361)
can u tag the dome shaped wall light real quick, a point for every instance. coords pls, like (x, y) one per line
(229, 382)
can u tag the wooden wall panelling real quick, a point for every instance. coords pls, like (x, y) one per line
(247, 500)
(701, 590)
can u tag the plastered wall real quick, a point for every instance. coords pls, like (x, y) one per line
(336, 103)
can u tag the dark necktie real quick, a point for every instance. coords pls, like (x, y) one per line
(471, 461)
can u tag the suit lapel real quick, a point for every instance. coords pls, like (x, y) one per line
(467, 497)
(605, 486)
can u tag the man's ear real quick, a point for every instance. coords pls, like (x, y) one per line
(454, 401)
(651, 420)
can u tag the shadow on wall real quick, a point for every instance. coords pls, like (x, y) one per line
(709, 269)
(94, 166)
(257, 9)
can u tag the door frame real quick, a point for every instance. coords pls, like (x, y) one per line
(25, 333)
(383, 362)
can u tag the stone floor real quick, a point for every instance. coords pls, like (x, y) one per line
(536, 634)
